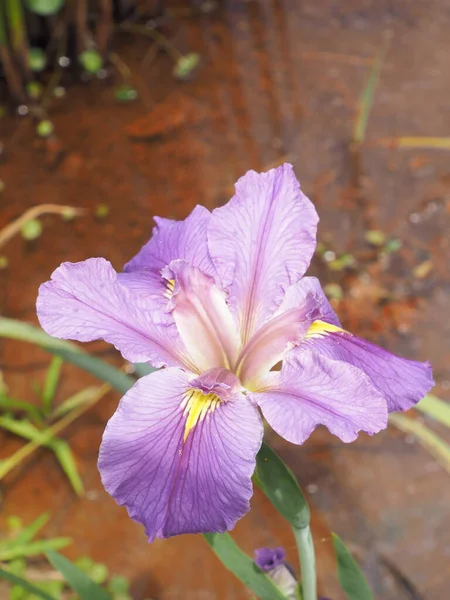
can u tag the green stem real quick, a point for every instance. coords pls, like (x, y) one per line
(12, 76)
(305, 546)
(19, 40)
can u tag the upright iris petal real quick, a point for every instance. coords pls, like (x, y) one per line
(219, 301)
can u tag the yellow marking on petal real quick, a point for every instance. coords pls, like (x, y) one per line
(196, 406)
(170, 284)
(319, 328)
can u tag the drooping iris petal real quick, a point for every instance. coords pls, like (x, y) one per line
(172, 240)
(202, 316)
(261, 242)
(179, 460)
(276, 338)
(296, 294)
(312, 390)
(402, 382)
(85, 301)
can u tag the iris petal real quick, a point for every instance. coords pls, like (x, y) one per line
(173, 240)
(402, 382)
(314, 390)
(276, 338)
(202, 316)
(87, 301)
(261, 242)
(175, 483)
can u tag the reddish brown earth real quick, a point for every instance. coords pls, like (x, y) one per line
(280, 81)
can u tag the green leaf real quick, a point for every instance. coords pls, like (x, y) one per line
(350, 575)
(243, 566)
(366, 99)
(76, 579)
(436, 408)
(51, 383)
(78, 399)
(65, 457)
(12, 404)
(23, 583)
(91, 61)
(61, 448)
(31, 230)
(37, 59)
(280, 485)
(29, 532)
(125, 93)
(142, 369)
(435, 445)
(185, 65)
(13, 329)
(34, 548)
(44, 8)
(45, 128)
(19, 427)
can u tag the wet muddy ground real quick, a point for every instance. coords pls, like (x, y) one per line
(279, 81)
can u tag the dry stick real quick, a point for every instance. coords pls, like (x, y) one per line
(13, 228)
(7, 465)
(158, 37)
(104, 27)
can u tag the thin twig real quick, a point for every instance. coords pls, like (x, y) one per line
(158, 37)
(34, 212)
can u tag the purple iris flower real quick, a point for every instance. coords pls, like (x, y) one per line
(268, 559)
(219, 299)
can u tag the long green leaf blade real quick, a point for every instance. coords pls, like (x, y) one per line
(366, 100)
(29, 532)
(436, 408)
(7, 403)
(76, 579)
(429, 440)
(51, 383)
(67, 461)
(13, 329)
(280, 485)
(78, 399)
(23, 583)
(243, 567)
(350, 575)
(35, 548)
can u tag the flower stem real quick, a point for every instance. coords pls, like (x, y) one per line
(305, 546)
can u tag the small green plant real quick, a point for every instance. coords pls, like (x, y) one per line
(90, 580)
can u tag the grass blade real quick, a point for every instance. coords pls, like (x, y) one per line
(67, 461)
(435, 445)
(29, 587)
(243, 567)
(29, 532)
(61, 448)
(350, 575)
(34, 548)
(51, 383)
(415, 142)
(436, 408)
(76, 579)
(78, 399)
(366, 100)
(13, 329)
(14, 405)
